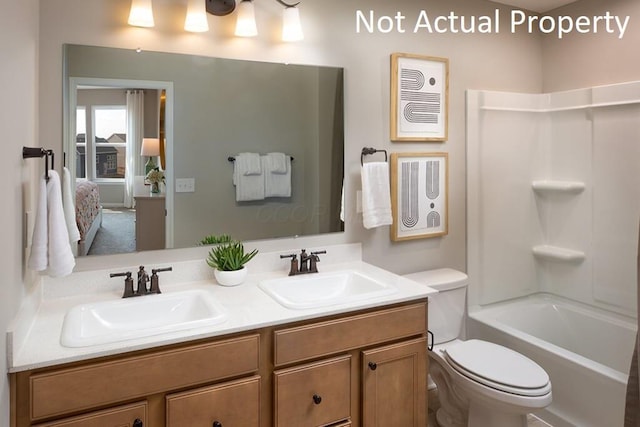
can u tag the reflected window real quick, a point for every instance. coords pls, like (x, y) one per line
(110, 139)
(81, 142)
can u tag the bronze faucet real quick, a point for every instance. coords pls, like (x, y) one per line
(308, 262)
(143, 279)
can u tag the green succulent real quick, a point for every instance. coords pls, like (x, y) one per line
(229, 256)
(212, 239)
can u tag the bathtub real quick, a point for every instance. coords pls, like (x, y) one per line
(586, 352)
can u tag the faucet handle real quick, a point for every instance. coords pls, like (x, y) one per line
(293, 270)
(318, 252)
(155, 281)
(313, 259)
(128, 283)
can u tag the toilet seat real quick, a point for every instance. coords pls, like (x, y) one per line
(498, 367)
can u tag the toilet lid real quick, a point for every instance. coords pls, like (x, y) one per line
(499, 367)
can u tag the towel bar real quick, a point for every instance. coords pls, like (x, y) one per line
(368, 151)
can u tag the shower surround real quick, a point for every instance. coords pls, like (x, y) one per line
(553, 199)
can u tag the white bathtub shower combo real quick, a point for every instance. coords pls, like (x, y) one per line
(553, 198)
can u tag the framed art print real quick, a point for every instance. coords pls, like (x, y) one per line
(419, 195)
(419, 98)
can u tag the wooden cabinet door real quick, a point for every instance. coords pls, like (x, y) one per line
(231, 404)
(395, 385)
(134, 415)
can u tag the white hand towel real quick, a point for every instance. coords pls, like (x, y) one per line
(38, 260)
(249, 163)
(248, 187)
(61, 260)
(68, 206)
(376, 195)
(277, 162)
(276, 184)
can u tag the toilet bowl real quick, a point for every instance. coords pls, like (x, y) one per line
(478, 383)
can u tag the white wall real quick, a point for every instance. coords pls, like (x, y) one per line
(503, 61)
(19, 47)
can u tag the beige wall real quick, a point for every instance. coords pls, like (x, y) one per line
(19, 47)
(502, 62)
(580, 61)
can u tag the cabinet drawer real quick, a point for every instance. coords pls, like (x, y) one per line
(313, 395)
(121, 416)
(334, 336)
(236, 403)
(117, 380)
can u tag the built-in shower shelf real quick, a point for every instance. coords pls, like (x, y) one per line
(552, 186)
(557, 253)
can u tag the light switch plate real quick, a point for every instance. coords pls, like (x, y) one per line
(359, 201)
(185, 185)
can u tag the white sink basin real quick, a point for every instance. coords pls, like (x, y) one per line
(324, 289)
(137, 317)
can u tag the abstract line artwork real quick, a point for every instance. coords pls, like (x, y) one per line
(419, 195)
(419, 96)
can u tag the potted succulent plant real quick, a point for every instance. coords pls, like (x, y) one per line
(228, 261)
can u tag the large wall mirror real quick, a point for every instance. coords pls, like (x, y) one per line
(203, 112)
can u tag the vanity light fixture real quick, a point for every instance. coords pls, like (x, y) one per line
(151, 149)
(291, 27)
(246, 21)
(196, 20)
(141, 13)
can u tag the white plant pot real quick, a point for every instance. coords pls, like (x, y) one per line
(231, 278)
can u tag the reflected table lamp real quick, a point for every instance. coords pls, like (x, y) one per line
(150, 148)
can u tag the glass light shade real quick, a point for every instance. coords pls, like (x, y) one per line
(150, 147)
(291, 27)
(246, 21)
(141, 13)
(196, 20)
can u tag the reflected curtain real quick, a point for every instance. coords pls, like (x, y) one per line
(135, 133)
(632, 406)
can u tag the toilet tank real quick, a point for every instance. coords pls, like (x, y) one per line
(447, 308)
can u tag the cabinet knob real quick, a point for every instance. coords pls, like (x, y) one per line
(317, 399)
(137, 423)
(217, 424)
(373, 366)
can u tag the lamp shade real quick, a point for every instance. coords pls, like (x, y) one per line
(196, 20)
(150, 147)
(246, 21)
(291, 27)
(141, 13)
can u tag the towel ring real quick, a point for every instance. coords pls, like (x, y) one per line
(33, 152)
(366, 151)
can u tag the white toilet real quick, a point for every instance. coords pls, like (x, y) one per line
(479, 384)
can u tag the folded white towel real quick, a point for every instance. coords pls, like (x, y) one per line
(276, 184)
(38, 259)
(376, 195)
(249, 163)
(61, 260)
(68, 206)
(248, 186)
(278, 162)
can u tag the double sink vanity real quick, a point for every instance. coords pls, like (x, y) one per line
(342, 347)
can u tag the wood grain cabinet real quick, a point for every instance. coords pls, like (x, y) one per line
(134, 415)
(366, 368)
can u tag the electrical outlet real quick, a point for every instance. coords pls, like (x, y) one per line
(185, 185)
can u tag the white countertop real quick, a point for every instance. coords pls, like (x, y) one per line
(248, 307)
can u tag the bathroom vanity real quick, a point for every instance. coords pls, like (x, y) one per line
(359, 363)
